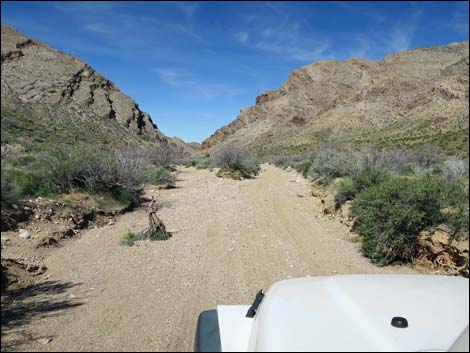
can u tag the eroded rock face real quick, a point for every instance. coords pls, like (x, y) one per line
(440, 252)
(35, 73)
(415, 95)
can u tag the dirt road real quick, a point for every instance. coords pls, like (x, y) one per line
(231, 238)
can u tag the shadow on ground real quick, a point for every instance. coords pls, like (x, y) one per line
(35, 302)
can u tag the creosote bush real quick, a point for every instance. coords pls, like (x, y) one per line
(233, 160)
(350, 187)
(391, 214)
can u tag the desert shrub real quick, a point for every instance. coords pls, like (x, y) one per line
(128, 239)
(367, 178)
(423, 159)
(10, 192)
(204, 163)
(156, 175)
(236, 159)
(396, 160)
(19, 181)
(160, 156)
(332, 163)
(284, 161)
(427, 157)
(453, 168)
(349, 188)
(34, 182)
(230, 174)
(390, 216)
(147, 234)
(303, 167)
(119, 173)
(458, 221)
(345, 191)
(187, 161)
(153, 235)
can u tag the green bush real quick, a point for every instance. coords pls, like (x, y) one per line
(153, 235)
(303, 167)
(204, 163)
(390, 216)
(157, 175)
(345, 191)
(230, 174)
(349, 188)
(191, 163)
(458, 221)
(128, 239)
(10, 192)
(120, 173)
(19, 182)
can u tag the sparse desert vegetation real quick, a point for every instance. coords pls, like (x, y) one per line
(235, 163)
(396, 194)
(118, 172)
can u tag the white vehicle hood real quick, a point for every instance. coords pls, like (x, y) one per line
(354, 313)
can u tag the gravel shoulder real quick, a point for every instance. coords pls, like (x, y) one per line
(230, 239)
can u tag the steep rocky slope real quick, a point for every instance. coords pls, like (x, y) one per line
(405, 99)
(43, 87)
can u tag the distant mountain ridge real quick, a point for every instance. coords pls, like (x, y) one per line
(191, 148)
(405, 99)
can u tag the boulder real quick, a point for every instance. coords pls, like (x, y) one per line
(24, 234)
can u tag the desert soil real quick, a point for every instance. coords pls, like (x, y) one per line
(230, 239)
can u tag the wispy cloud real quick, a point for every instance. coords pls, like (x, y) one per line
(357, 9)
(100, 28)
(131, 34)
(74, 6)
(403, 31)
(242, 37)
(276, 32)
(175, 77)
(187, 81)
(394, 36)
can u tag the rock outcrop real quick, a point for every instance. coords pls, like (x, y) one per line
(55, 84)
(406, 98)
(440, 252)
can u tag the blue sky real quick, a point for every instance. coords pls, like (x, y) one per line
(193, 65)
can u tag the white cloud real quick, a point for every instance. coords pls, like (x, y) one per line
(90, 6)
(356, 8)
(186, 80)
(100, 28)
(275, 31)
(400, 40)
(242, 37)
(402, 33)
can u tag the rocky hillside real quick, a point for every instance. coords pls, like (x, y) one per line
(405, 99)
(51, 93)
